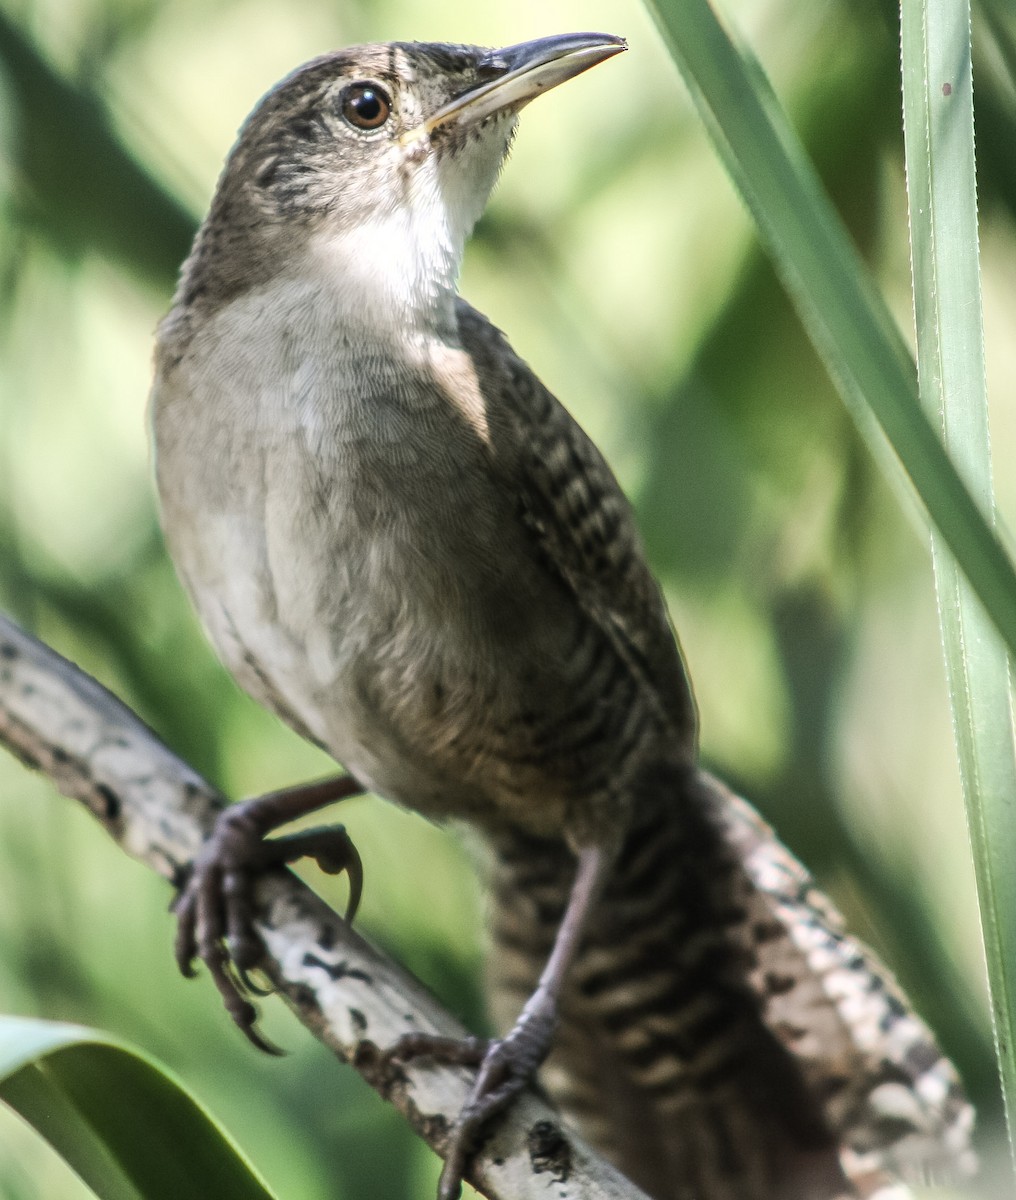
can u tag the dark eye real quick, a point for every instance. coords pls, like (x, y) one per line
(365, 105)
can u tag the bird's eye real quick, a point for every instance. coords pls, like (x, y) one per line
(365, 105)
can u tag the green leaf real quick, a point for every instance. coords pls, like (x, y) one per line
(120, 1120)
(834, 296)
(939, 127)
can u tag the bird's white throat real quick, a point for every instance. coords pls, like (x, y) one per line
(398, 267)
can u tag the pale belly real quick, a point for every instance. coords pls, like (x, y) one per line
(362, 570)
(416, 663)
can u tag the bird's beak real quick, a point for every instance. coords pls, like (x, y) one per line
(517, 74)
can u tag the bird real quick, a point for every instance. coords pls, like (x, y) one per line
(399, 541)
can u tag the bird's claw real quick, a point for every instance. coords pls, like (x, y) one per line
(215, 906)
(462, 1052)
(506, 1066)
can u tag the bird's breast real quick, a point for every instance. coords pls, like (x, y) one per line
(332, 509)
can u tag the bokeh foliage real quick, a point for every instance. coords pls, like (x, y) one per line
(618, 260)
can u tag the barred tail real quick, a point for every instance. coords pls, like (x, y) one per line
(904, 1115)
(722, 1038)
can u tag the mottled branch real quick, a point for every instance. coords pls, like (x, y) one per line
(357, 1001)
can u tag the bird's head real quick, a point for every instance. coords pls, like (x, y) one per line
(377, 161)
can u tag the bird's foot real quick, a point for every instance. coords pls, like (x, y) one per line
(215, 906)
(506, 1066)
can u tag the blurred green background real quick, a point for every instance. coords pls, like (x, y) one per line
(620, 263)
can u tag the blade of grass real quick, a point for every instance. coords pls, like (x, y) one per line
(834, 296)
(939, 128)
(120, 1120)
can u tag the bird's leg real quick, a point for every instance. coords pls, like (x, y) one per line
(509, 1063)
(214, 908)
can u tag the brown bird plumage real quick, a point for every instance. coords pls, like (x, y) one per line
(402, 543)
